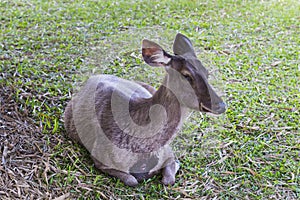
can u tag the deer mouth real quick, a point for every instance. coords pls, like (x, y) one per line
(205, 109)
(217, 111)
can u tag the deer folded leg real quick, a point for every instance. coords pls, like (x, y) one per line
(126, 178)
(169, 173)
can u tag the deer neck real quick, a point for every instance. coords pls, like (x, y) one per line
(144, 110)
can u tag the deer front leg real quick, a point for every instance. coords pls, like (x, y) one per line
(126, 178)
(169, 173)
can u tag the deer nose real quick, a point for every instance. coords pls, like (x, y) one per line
(222, 107)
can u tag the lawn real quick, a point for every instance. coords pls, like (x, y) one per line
(251, 48)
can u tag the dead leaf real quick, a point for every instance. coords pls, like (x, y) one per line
(275, 63)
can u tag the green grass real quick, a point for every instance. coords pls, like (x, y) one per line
(47, 48)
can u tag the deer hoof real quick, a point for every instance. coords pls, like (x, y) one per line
(131, 181)
(169, 180)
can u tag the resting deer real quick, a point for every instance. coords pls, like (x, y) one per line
(127, 126)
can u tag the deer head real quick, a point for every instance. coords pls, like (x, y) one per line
(186, 76)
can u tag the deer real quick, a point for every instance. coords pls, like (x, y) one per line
(128, 126)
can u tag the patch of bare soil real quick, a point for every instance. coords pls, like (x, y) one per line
(25, 154)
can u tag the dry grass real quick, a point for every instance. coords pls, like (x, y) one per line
(26, 153)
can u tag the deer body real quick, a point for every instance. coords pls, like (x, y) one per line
(127, 126)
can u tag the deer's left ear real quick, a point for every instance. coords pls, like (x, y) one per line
(154, 55)
(183, 46)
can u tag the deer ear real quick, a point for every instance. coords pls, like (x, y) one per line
(154, 55)
(182, 45)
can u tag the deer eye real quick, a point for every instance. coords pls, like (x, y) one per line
(188, 78)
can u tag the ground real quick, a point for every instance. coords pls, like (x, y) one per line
(251, 48)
